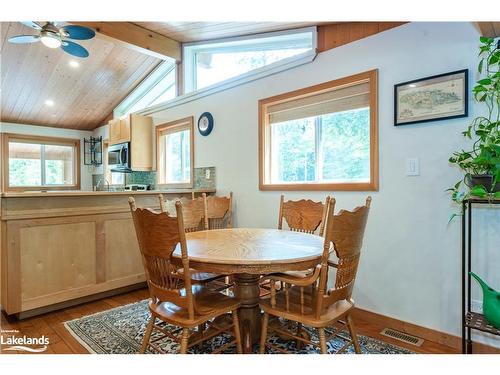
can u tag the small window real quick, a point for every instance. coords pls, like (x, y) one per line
(174, 152)
(41, 163)
(321, 138)
(207, 63)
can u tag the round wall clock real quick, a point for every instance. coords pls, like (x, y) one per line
(205, 123)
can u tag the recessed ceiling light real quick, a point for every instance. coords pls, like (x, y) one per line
(74, 64)
(49, 103)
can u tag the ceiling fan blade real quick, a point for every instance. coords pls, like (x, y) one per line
(22, 39)
(74, 49)
(32, 24)
(78, 32)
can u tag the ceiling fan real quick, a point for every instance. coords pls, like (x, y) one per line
(54, 37)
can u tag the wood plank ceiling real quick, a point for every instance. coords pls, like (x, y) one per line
(197, 31)
(83, 97)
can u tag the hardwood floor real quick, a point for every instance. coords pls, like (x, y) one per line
(61, 341)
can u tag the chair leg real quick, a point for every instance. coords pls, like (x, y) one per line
(354, 336)
(322, 340)
(263, 334)
(237, 334)
(147, 334)
(201, 330)
(184, 340)
(299, 333)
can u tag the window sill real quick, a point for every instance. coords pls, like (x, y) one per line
(174, 186)
(368, 186)
(256, 74)
(41, 188)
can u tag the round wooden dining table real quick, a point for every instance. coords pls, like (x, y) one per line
(247, 254)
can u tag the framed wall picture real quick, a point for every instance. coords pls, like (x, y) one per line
(434, 98)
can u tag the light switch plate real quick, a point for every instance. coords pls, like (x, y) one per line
(412, 167)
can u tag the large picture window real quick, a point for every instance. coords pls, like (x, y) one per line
(41, 163)
(174, 153)
(321, 138)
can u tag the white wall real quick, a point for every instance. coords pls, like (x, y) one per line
(410, 265)
(85, 170)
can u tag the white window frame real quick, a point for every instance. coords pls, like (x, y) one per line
(189, 51)
(278, 66)
(144, 88)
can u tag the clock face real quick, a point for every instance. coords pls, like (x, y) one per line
(205, 123)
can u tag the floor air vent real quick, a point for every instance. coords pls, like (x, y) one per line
(401, 336)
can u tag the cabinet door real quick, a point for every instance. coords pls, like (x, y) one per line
(141, 142)
(125, 129)
(114, 131)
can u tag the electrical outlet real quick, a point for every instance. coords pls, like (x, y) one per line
(207, 173)
(477, 306)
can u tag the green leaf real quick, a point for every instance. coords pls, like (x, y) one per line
(485, 40)
(480, 66)
(452, 217)
(479, 191)
(497, 194)
(484, 81)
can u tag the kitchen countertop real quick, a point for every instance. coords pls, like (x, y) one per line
(76, 193)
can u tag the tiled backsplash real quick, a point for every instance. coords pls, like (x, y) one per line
(204, 178)
(143, 178)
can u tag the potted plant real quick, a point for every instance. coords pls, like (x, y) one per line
(481, 164)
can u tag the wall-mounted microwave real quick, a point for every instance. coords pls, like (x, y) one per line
(119, 157)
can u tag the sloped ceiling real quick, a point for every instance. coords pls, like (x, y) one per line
(83, 97)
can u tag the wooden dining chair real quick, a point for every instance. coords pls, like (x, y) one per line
(218, 211)
(307, 300)
(304, 215)
(185, 307)
(194, 212)
(219, 215)
(193, 221)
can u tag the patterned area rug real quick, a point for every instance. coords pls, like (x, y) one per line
(120, 331)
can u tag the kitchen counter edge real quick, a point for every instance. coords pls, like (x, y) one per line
(101, 193)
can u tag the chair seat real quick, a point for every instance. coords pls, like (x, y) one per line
(331, 314)
(200, 277)
(208, 304)
(299, 274)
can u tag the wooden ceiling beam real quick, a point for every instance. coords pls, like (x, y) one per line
(137, 38)
(489, 29)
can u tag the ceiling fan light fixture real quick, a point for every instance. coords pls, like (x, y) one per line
(50, 39)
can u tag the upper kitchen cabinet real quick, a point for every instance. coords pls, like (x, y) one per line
(138, 130)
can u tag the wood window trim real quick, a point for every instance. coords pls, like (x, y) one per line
(186, 123)
(7, 137)
(264, 149)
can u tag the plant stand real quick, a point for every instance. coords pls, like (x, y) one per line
(471, 320)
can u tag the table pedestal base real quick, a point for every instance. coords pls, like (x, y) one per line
(247, 290)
